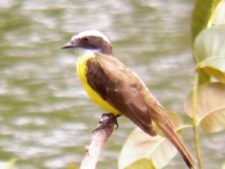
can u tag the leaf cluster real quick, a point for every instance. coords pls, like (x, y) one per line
(206, 102)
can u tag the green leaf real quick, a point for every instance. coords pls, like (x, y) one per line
(218, 16)
(214, 66)
(214, 122)
(202, 12)
(209, 51)
(210, 43)
(72, 166)
(223, 166)
(141, 146)
(7, 164)
(142, 164)
(210, 106)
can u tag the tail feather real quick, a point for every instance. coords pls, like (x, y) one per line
(178, 142)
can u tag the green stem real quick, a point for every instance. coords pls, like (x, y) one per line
(195, 121)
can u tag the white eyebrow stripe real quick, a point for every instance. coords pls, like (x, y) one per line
(90, 33)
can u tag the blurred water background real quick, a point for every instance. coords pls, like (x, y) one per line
(46, 118)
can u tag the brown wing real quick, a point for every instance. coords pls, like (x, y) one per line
(120, 87)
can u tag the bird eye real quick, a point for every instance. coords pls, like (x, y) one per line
(85, 39)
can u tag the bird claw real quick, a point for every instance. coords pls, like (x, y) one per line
(107, 119)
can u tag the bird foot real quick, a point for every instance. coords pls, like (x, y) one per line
(107, 120)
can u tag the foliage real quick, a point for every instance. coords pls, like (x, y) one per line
(158, 151)
(201, 14)
(210, 106)
(209, 51)
(72, 166)
(7, 164)
(142, 164)
(206, 102)
(141, 151)
(223, 166)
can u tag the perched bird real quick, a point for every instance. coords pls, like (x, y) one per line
(119, 90)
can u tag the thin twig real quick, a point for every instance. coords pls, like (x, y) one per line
(99, 139)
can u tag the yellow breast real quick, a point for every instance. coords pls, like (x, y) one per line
(81, 71)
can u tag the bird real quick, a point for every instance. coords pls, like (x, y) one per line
(119, 90)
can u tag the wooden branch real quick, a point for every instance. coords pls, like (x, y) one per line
(99, 139)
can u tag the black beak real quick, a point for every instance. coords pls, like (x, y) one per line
(69, 45)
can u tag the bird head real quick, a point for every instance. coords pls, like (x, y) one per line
(90, 40)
